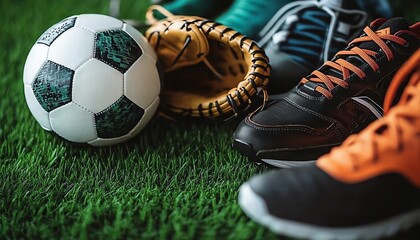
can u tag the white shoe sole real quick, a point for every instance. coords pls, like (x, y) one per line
(254, 206)
(287, 164)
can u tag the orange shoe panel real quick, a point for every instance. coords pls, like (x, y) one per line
(389, 145)
(400, 76)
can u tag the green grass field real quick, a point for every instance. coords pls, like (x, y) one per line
(175, 180)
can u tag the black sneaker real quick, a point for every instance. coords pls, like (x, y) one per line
(305, 34)
(341, 98)
(308, 203)
(367, 188)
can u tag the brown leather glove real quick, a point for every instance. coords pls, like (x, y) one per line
(209, 69)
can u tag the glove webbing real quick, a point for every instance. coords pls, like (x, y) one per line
(241, 98)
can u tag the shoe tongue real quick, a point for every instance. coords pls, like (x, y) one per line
(394, 25)
(389, 27)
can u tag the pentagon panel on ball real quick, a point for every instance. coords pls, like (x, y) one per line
(118, 119)
(117, 49)
(56, 30)
(92, 79)
(52, 85)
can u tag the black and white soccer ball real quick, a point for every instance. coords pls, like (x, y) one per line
(92, 79)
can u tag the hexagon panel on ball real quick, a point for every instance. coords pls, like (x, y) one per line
(97, 86)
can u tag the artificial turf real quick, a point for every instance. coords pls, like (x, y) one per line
(174, 180)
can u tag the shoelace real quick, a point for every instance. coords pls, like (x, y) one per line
(346, 67)
(285, 16)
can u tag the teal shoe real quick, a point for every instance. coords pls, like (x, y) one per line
(200, 8)
(250, 16)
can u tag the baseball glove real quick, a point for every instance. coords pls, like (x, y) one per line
(209, 69)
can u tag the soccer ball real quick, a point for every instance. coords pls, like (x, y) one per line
(92, 79)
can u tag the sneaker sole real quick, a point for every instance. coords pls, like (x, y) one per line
(287, 164)
(247, 150)
(254, 206)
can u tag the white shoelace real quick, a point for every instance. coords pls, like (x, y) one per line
(288, 13)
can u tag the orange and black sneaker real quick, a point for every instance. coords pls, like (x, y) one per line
(341, 98)
(367, 188)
